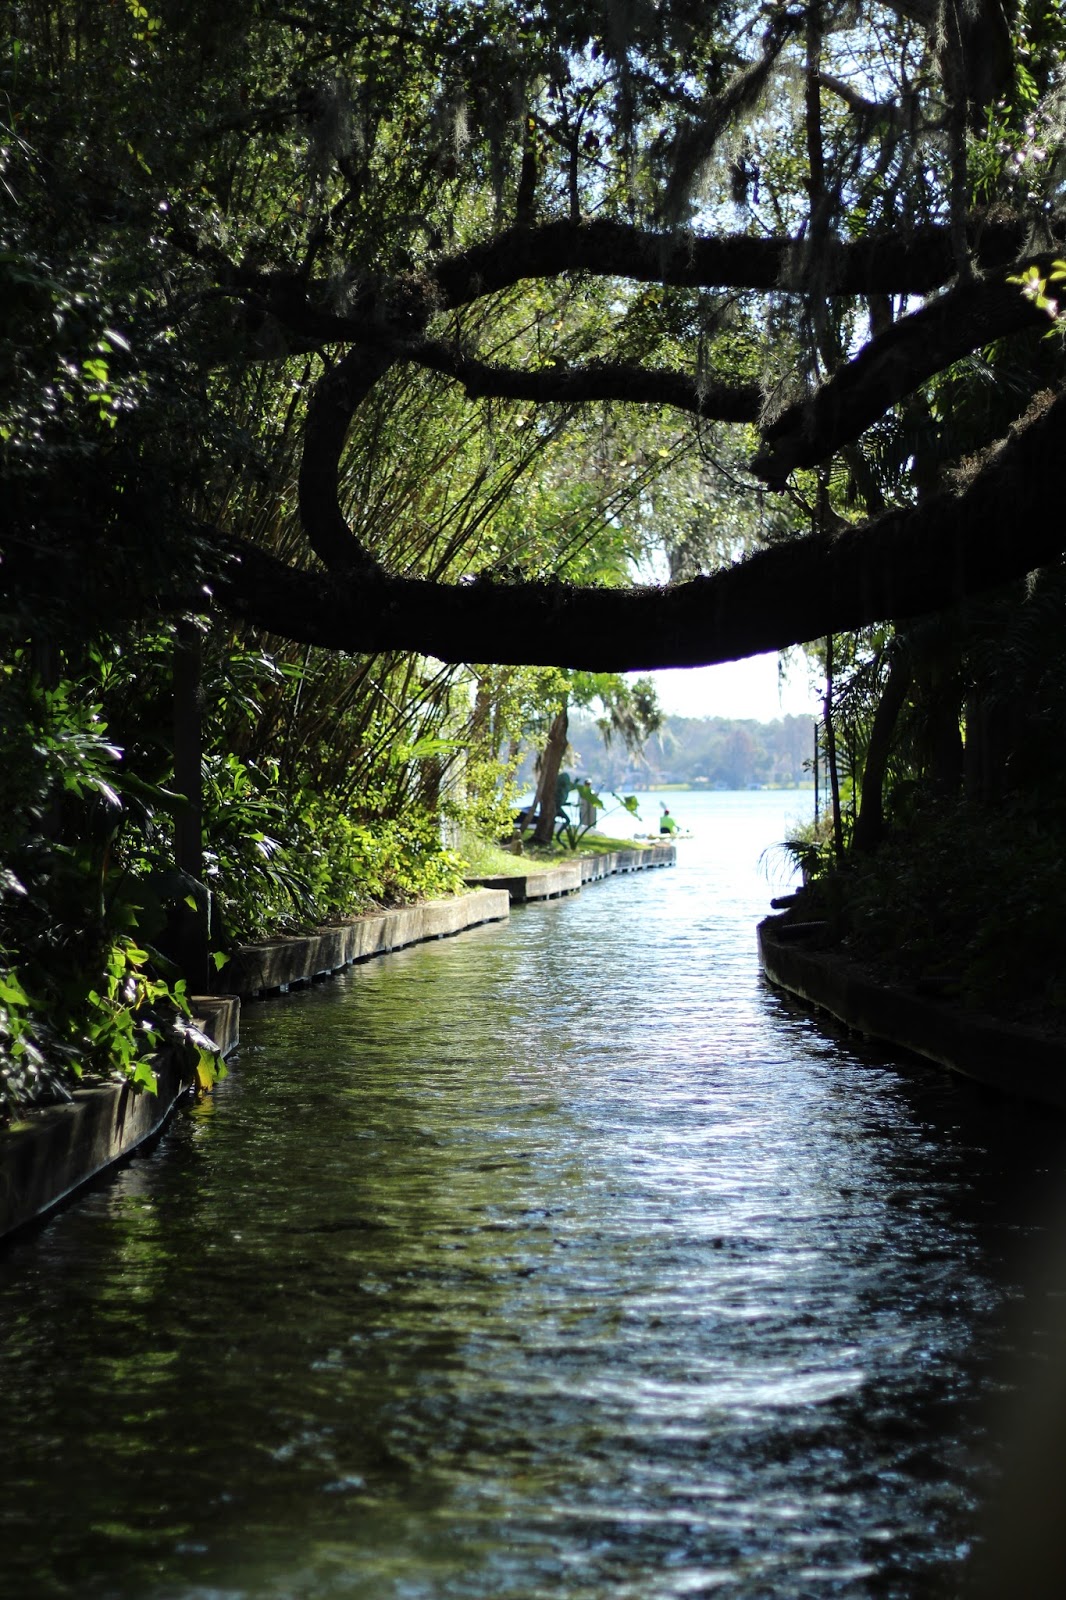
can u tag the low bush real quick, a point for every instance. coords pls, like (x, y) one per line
(969, 895)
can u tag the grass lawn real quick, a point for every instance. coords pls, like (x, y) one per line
(483, 859)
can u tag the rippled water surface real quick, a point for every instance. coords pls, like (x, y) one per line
(558, 1259)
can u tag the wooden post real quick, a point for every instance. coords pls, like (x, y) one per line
(188, 780)
(831, 751)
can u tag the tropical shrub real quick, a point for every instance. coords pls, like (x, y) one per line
(79, 992)
(967, 899)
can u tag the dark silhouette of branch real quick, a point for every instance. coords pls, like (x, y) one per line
(900, 262)
(890, 366)
(565, 385)
(1002, 523)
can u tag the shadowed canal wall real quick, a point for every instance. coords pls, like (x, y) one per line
(53, 1152)
(1009, 1057)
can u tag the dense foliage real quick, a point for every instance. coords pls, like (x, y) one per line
(945, 865)
(355, 357)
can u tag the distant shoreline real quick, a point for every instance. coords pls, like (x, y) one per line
(712, 788)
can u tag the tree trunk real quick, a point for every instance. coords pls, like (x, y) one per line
(550, 764)
(947, 754)
(831, 752)
(940, 691)
(870, 823)
(990, 729)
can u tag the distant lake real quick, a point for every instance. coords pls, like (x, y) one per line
(762, 817)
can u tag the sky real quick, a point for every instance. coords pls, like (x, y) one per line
(740, 689)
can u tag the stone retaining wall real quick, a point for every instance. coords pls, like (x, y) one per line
(525, 886)
(593, 868)
(1006, 1056)
(568, 876)
(52, 1153)
(280, 964)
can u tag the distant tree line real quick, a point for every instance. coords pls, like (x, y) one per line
(711, 752)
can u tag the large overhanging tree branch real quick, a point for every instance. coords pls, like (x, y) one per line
(892, 365)
(606, 380)
(1003, 523)
(384, 319)
(902, 564)
(903, 262)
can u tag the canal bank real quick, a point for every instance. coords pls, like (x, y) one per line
(54, 1152)
(569, 877)
(1008, 1057)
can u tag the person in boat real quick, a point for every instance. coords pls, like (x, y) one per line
(667, 822)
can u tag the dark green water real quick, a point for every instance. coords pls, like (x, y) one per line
(561, 1259)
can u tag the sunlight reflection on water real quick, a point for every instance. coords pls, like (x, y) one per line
(559, 1259)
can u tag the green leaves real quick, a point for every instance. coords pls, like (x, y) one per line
(82, 989)
(1034, 286)
(26, 1075)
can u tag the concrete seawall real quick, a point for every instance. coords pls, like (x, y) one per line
(568, 876)
(1005, 1056)
(280, 964)
(54, 1152)
(612, 862)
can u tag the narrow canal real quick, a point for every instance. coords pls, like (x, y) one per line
(559, 1259)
